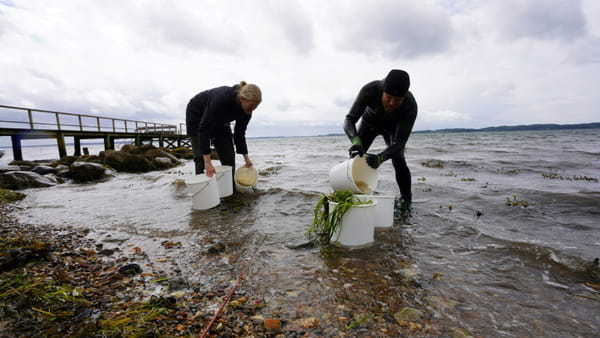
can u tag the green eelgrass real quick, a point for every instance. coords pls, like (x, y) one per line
(326, 221)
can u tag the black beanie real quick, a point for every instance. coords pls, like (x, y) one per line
(396, 83)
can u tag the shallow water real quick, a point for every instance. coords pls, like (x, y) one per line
(465, 256)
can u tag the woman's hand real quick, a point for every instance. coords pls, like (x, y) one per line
(209, 169)
(247, 159)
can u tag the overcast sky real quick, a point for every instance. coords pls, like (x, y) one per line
(472, 63)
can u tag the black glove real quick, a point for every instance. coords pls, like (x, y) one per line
(374, 161)
(357, 148)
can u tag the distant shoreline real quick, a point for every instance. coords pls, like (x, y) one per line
(547, 126)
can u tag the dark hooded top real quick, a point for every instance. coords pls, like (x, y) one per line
(210, 111)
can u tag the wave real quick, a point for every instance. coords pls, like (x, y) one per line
(542, 257)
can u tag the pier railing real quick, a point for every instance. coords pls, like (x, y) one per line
(38, 119)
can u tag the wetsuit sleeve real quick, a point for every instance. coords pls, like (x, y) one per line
(356, 111)
(239, 134)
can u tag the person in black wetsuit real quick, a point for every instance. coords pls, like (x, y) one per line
(208, 116)
(386, 107)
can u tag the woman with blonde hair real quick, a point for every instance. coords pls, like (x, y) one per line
(208, 118)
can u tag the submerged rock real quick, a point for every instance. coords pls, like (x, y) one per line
(408, 314)
(216, 248)
(123, 161)
(130, 269)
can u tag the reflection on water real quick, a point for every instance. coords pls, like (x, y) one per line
(465, 257)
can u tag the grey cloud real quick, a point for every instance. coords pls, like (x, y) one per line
(396, 29)
(194, 30)
(586, 52)
(545, 20)
(296, 24)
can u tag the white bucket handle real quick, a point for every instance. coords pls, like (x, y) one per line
(349, 170)
(201, 189)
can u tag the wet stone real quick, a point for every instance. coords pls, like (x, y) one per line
(130, 269)
(216, 248)
(408, 314)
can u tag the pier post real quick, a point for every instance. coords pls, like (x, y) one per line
(107, 142)
(62, 147)
(160, 141)
(138, 141)
(16, 146)
(77, 146)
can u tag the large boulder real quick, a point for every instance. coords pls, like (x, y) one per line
(183, 152)
(123, 161)
(86, 171)
(90, 158)
(18, 180)
(67, 160)
(130, 148)
(145, 147)
(162, 163)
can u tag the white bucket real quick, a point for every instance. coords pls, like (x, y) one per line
(245, 179)
(205, 193)
(384, 210)
(224, 180)
(355, 175)
(357, 225)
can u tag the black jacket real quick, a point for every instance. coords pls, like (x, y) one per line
(210, 111)
(368, 106)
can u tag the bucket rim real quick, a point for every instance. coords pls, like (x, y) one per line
(198, 179)
(364, 205)
(223, 167)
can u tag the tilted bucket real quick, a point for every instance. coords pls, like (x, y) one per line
(355, 175)
(224, 180)
(384, 210)
(245, 179)
(357, 225)
(205, 194)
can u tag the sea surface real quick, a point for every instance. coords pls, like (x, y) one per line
(500, 242)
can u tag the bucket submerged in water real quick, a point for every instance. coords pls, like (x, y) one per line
(204, 190)
(355, 175)
(357, 225)
(384, 210)
(224, 180)
(245, 179)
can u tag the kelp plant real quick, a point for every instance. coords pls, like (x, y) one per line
(326, 221)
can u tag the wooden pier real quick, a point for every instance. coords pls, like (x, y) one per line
(26, 123)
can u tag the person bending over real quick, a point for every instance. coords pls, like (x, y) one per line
(387, 108)
(208, 117)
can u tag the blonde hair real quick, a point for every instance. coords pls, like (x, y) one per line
(249, 91)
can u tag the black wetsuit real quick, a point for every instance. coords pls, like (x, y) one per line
(208, 115)
(395, 127)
